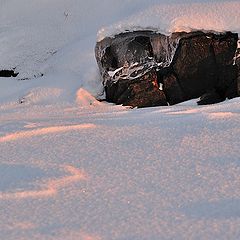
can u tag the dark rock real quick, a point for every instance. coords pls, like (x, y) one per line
(172, 89)
(141, 91)
(194, 65)
(210, 97)
(205, 61)
(8, 73)
(238, 68)
(227, 82)
(185, 66)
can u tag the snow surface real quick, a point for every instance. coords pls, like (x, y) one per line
(75, 168)
(166, 18)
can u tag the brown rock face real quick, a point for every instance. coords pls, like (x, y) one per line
(136, 90)
(204, 62)
(238, 68)
(146, 68)
(172, 89)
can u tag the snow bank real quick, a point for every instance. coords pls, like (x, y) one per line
(168, 18)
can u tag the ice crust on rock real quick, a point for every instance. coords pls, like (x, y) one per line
(162, 52)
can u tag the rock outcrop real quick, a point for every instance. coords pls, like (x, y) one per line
(146, 68)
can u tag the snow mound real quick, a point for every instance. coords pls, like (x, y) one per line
(85, 99)
(168, 18)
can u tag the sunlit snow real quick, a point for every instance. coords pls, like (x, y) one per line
(75, 168)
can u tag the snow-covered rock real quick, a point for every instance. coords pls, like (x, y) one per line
(186, 64)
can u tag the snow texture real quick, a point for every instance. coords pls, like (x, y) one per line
(166, 18)
(75, 168)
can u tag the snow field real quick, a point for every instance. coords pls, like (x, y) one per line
(75, 168)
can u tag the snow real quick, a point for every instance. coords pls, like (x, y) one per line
(167, 18)
(169, 172)
(75, 168)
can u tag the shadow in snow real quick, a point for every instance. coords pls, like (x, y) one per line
(19, 176)
(228, 208)
(20, 182)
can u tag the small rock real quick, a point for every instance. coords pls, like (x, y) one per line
(210, 97)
